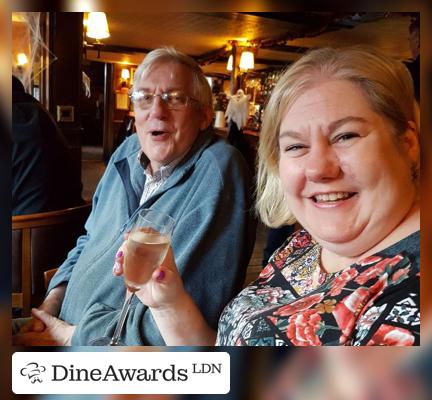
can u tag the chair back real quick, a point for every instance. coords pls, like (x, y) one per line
(41, 242)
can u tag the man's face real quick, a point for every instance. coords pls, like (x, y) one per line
(166, 134)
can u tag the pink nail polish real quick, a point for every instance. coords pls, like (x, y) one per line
(161, 276)
(119, 254)
(116, 267)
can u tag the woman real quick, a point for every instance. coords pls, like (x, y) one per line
(339, 152)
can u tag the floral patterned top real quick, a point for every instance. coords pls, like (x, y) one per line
(293, 302)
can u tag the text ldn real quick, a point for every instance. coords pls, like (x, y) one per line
(62, 373)
(205, 368)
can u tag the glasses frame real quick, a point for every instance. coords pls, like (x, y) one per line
(164, 98)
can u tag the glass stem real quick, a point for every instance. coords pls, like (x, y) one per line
(122, 319)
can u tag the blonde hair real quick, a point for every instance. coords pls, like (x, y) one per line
(201, 88)
(386, 83)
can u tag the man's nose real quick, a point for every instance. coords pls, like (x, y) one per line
(158, 108)
(322, 163)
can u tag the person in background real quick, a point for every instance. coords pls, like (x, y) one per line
(339, 152)
(176, 164)
(414, 65)
(44, 176)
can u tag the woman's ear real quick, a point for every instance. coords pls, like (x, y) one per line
(410, 141)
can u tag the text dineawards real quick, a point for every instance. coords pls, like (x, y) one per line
(112, 374)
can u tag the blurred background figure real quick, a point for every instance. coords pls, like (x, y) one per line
(336, 373)
(43, 174)
(414, 44)
(237, 115)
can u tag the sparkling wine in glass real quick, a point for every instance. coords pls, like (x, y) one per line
(146, 247)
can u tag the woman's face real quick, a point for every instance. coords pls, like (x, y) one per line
(345, 178)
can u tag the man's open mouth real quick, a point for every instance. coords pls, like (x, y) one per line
(157, 133)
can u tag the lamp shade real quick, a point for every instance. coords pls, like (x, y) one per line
(125, 74)
(246, 60)
(21, 59)
(97, 25)
(229, 66)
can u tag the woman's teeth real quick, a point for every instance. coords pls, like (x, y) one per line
(320, 198)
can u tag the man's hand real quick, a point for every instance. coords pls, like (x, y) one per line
(51, 305)
(56, 332)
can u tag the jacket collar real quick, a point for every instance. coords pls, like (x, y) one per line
(137, 177)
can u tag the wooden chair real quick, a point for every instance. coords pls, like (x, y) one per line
(39, 243)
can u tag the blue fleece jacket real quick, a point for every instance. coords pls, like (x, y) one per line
(209, 196)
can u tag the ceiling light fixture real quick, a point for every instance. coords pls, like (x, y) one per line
(229, 66)
(97, 25)
(125, 74)
(21, 59)
(246, 60)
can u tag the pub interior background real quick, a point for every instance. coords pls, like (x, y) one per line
(83, 78)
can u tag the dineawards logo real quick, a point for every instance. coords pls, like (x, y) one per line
(33, 371)
(120, 372)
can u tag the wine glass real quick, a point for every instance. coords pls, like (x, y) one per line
(146, 247)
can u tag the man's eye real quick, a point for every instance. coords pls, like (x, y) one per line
(174, 96)
(343, 137)
(146, 96)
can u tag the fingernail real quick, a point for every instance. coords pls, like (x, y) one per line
(119, 254)
(116, 267)
(161, 276)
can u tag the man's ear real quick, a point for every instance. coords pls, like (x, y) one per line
(207, 118)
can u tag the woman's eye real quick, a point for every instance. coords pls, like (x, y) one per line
(293, 148)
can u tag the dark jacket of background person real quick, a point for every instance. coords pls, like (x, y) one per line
(43, 174)
(208, 196)
(414, 69)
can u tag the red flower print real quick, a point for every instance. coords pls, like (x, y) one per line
(340, 282)
(273, 294)
(279, 263)
(302, 328)
(266, 272)
(377, 269)
(369, 260)
(280, 258)
(347, 311)
(400, 274)
(299, 305)
(388, 335)
(301, 240)
(345, 319)
(357, 299)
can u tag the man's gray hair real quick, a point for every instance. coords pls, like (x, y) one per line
(201, 88)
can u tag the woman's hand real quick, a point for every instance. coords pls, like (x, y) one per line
(165, 286)
(179, 320)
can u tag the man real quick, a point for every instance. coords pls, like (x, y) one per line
(176, 165)
(414, 65)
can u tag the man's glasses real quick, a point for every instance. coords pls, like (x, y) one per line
(174, 99)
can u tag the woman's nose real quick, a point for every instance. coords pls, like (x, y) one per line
(322, 164)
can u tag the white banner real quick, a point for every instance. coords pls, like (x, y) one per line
(120, 373)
